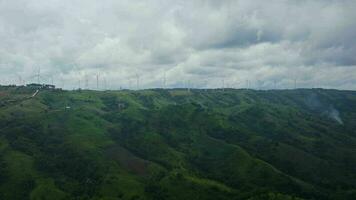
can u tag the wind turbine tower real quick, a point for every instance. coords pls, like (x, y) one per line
(97, 81)
(20, 80)
(137, 81)
(86, 81)
(188, 85)
(38, 75)
(164, 81)
(223, 85)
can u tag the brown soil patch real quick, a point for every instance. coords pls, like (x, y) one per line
(3, 94)
(128, 160)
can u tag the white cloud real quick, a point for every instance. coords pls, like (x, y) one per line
(201, 42)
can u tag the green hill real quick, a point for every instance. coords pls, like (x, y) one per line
(177, 144)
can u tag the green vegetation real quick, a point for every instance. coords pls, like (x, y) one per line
(177, 144)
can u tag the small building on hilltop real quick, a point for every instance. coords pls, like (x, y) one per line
(41, 86)
(47, 86)
(34, 86)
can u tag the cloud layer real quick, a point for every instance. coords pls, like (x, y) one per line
(200, 43)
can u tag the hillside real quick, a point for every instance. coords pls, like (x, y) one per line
(177, 144)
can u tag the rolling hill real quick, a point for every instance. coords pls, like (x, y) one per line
(177, 144)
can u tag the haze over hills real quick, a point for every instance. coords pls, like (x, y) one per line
(177, 144)
(201, 41)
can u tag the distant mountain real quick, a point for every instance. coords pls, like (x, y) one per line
(177, 144)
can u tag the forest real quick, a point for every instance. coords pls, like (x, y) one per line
(171, 144)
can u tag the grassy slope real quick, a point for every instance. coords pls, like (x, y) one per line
(174, 144)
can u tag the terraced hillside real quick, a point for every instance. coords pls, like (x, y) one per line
(177, 144)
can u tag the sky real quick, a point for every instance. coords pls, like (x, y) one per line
(179, 43)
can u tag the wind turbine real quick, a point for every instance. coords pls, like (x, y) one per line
(52, 82)
(79, 84)
(164, 81)
(38, 75)
(86, 81)
(97, 81)
(79, 74)
(223, 84)
(20, 80)
(206, 85)
(188, 85)
(137, 81)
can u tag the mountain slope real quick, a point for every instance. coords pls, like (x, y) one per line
(177, 144)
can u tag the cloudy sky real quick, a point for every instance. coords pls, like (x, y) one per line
(200, 43)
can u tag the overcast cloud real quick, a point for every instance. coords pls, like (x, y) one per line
(200, 42)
